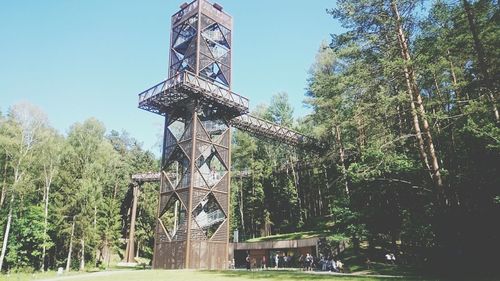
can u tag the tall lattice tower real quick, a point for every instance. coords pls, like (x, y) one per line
(193, 216)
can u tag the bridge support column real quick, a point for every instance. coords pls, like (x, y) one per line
(130, 253)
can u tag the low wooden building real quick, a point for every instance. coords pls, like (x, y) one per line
(291, 249)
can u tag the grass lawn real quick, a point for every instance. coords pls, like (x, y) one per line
(180, 275)
(34, 276)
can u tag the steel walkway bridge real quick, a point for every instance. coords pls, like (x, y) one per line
(183, 87)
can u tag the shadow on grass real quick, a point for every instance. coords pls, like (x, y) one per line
(131, 268)
(391, 269)
(297, 275)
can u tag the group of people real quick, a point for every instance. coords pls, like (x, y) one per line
(331, 265)
(281, 262)
(306, 262)
(309, 263)
(251, 263)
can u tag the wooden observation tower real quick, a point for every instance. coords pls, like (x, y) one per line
(199, 108)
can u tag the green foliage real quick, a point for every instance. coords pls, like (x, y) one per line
(27, 238)
(84, 176)
(359, 92)
(265, 201)
(109, 224)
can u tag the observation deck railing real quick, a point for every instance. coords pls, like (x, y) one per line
(146, 177)
(186, 84)
(155, 177)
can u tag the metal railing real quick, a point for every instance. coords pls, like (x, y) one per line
(266, 129)
(146, 177)
(211, 219)
(211, 90)
(160, 88)
(155, 177)
(193, 84)
(166, 94)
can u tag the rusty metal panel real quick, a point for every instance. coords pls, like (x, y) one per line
(194, 257)
(204, 255)
(219, 258)
(169, 255)
(221, 234)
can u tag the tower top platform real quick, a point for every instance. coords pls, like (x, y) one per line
(183, 88)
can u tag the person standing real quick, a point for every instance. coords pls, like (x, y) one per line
(308, 262)
(247, 260)
(333, 265)
(276, 261)
(263, 262)
(323, 264)
(340, 266)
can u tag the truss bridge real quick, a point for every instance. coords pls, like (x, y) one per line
(183, 87)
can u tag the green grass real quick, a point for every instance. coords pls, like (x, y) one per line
(34, 276)
(291, 275)
(180, 275)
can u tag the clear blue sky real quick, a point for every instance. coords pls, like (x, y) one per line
(77, 59)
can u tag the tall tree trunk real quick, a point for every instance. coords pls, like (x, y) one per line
(241, 206)
(454, 81)
(108, 255)
(442, 101)
(138, 247)
(400, 120)
(481, 58)
(115, 190)
(82, 257)
(68, 261)
(95, 217)
(416, 124)
(437, 104)
(417, 103)
(361, 131)
(342, 159)
(320, 200)
(48, 183)
(4, 184)
(327, 186)
(7, 231)
(295, 182)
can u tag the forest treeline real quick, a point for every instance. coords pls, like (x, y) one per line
(404, 103)
(64, 199)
